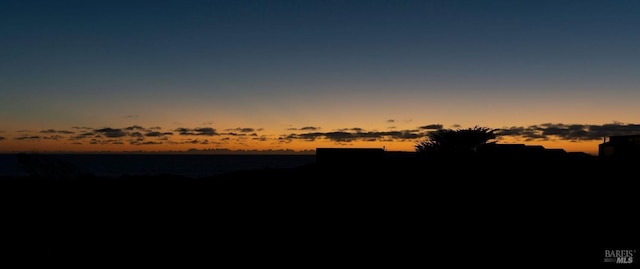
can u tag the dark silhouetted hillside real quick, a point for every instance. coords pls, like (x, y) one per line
(550, 209)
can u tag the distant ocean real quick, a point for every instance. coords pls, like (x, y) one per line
(196, 165)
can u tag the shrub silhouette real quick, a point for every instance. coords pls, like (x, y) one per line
(449, 142)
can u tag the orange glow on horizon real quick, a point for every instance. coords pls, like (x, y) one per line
(589, 147)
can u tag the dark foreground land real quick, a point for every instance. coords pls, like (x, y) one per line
(394, 213)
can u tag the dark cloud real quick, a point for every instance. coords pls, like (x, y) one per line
(136, 131)
(356, 129)
(242, 130)
(431, 127)
(157, 134)
(309, 128)
(510, 131)
(53, 131)
(82, 136)
(112, 133)
(566, 132)
(613, 129)
(344, 136)
(341, 136)
(134, 127)
(184, 131)
(53, 137)
(261, 138)
(81, 128)
(406, 134)
(207, 131)
(387, 135)
(136, 141)
(528, 133)
(391, 121)
(197, 141)
(570, 132)
(2, 138)
(307, 136)
(32, 137)
(190, 141)
(106, 142)
(155, 128)
(142, 143)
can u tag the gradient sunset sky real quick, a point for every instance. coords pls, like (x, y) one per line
(257, 75)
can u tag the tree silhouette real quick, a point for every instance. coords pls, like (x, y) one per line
(447, 142)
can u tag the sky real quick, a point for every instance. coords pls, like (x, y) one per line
(87, 76)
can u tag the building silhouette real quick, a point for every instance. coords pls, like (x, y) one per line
(620, 147)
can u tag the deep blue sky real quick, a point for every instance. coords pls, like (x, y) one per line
(279, 66)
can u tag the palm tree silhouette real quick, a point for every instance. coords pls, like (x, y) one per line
(448, 142)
